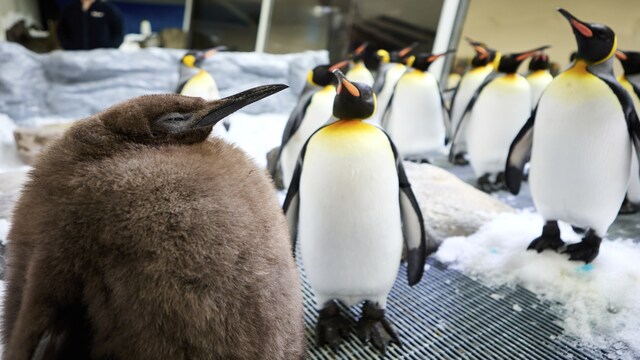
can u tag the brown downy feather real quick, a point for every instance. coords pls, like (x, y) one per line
(131, 241)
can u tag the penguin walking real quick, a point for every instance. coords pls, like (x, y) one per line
(482, 64)
(630, 80)
(195, 81)
(391, 69)
(539, 76)
(578, 143)
(350, 205)
(498, 109)
(314, 109)
(137, 239)
(416, 117)
(358, 71)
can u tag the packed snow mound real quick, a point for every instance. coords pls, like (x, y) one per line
(599, 302)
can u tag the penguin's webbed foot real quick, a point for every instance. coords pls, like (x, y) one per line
(373, 327)
(550, 238)
(500, 183)
(586, 250)
(628, 207)
(459, 159)
(331, 327)
(485, 184)
(418, 159)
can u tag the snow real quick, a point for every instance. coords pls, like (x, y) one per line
(257, 134)
(598, 302)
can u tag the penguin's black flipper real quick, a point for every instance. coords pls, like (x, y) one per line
(291, 205)
(467, 109)
(413, 228)
(378, 85)
(447, 118)
(519, 154)
(633, 124)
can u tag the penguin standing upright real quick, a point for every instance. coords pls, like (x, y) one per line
(358, 71)
(498, 109)
(578, 142)
(137, 239)
(350, 204)
(314, 109)
(539, 76)
(630, 80)
(416, 115)
(195, 81)
(391, 69)
(482, 64)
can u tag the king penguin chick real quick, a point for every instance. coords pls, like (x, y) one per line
(630, 80)
(578, 142)
(391, 69)
(314, 109)
(539, 76)
(195, 81)
(498, 109)
(416, 116)
(482, 64)
(137, 239)
(350, 205)
(358, 71)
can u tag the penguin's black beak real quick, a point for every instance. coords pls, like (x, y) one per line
(578, 26)
(221, 108)
(346, 84)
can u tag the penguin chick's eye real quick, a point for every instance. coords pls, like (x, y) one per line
(171, 117)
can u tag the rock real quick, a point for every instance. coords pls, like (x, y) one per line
(450, 206)
(30, 141)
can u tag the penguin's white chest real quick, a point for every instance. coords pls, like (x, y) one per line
(468, 86)
(633, 192)
(349, 219)
(415, 120)
(391, 78)
(360, 73)
(538, 80)
(317, 114)
(502, 108)
(581, 152)
(203, 85)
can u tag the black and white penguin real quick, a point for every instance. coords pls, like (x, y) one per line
(578, 140)
(497, 110)
(358, 72)
(482, 64)
(314, 109)
(539, 76)
(391, 69)
(137, 237)
(630, 80)
(195, 81)
(351, 207)
(416, 117)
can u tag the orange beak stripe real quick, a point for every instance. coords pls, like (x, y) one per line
(582, 28)
(360, 49)
(351, 88)
(338, 65)
(620, 55)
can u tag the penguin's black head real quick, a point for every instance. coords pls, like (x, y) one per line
(423, 61)
(353, 100)
(175, 119)
(509, 63)
(630, 61)
(195, 58)
(397, 56)
(596, 42)
(539, 62)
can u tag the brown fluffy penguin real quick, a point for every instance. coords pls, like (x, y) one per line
(137, 239)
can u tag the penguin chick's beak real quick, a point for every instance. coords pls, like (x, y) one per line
(578, 25)
(621, 55)
(343, 82)
(221, 108)
(527, 54)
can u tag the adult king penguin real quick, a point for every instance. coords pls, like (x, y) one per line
(350, 204)
(482, 64)
(195, 81)
(416, 117)
(630, 80)
(578, 142)
(137, 239)
(498, 109)
(314, 109)
(358, 71)
(391, 69)
(539, 76)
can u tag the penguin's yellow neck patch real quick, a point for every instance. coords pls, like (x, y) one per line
(348, 128)
(347, 138)
(578, 69)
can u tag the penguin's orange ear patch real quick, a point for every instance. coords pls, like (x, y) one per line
(582, 28)
(351, 88)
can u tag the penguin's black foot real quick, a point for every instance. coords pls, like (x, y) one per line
(586, 250)
(578, 230)
(332, 327)
(485, 184)
(459, 159)
(627, 208)
(500, 183)
(418, 160)
(550, 238)
(373, 327)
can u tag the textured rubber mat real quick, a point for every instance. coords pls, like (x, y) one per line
(450, 316)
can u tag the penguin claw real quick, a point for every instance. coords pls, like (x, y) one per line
(459, 159)
(582, 252)
(545, 242)
(374, 328)
(331, 329)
